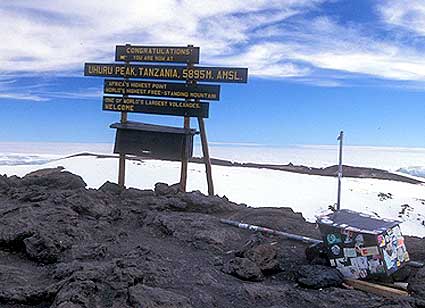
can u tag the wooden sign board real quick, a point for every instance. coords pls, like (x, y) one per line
(156, 106)
(131, 53)
(172, 72)
(162, 89)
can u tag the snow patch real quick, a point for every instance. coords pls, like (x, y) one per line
(309, 194)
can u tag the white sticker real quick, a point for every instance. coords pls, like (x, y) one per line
(350, 253)
(340, 262)
(349, 272)
(336, 250)
(375, 266)
(359, 262)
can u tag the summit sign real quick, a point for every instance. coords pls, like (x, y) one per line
(133, 53)
(168, 72)
(161, 80)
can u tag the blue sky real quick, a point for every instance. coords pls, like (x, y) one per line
(315, 67)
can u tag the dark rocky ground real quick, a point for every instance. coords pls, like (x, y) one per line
(62, 245)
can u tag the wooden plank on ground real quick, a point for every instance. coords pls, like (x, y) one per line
(375, 288)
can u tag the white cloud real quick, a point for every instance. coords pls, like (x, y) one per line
(60, 35)
(10, 89)
(407, 14)
(271, 37)
(22, 97)
(322, 44)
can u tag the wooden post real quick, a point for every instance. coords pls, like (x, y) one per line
(184, 164)
(121, 164)
(206, 154)
(186, 125)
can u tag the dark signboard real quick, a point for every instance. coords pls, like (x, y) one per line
(173, 72)
(155, 141)
(162, 89)
(157, 54)
(156, 106)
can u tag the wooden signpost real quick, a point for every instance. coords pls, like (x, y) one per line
(146, 96)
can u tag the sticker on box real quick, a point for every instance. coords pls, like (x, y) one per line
(360, 262)
(369, 251)
(336, 250)
(333, 238)
(350, 253)
(381, 241)
(349, 272)
(341, 262)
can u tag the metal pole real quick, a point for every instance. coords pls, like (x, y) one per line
(255, 228)
(340, 138)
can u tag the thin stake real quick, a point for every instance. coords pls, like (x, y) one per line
(340, 138)
(286, 235)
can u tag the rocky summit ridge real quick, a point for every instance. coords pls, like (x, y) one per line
(65, 246)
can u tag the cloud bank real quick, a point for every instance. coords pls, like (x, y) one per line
(294, 39)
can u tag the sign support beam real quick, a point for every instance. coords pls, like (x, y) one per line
(206, 155)
(186, 125)
(121, 164)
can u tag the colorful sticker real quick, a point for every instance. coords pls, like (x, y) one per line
(360, 262)
(350, 253)
(348, 236)
(400, 253)
(363, 273)
(381, 241)
(396, 230)
(369, 251)
(377, 257)
(336, 250)
(341, 262)
(375, 266)
(349, 272)
(406, 257)
(333, 238)
(387, 259)
(359, 240)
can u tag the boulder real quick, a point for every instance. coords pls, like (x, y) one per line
(319, 276)
(244, 269)
(54, 178)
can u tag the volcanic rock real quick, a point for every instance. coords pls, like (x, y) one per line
(319, 276)
(62, 245)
